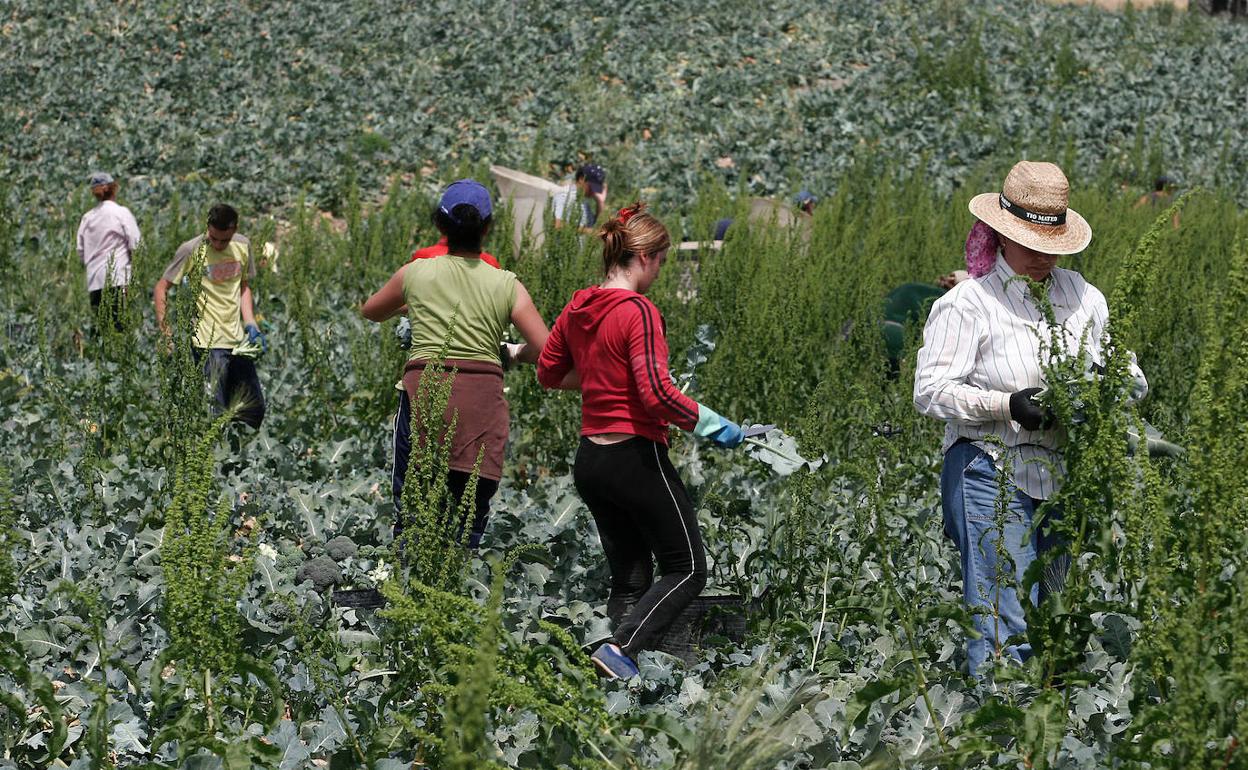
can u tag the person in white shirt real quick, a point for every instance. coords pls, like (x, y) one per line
(979, 370)
(107, 236)
(587, 188)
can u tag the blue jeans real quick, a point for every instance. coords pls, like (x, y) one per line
(996, 551)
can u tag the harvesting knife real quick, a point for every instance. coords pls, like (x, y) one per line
(756, 430)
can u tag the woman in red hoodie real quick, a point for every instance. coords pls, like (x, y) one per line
(612, 337)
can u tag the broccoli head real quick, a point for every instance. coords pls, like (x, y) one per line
(340, 548)
(322, 571)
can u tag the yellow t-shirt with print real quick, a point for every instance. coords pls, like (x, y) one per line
(219, 320)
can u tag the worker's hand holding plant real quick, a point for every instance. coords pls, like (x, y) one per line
(256, 337)
(721, 430)
(1029, 413)
(404, 332)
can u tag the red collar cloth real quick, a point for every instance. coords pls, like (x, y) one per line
(440, 248)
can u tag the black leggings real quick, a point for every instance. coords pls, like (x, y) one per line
(643, 514)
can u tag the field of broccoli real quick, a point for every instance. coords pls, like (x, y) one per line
(165, 577)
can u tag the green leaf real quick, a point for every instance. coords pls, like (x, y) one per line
(1044, 725)
(858, 707)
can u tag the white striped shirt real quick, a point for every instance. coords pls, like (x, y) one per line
(983, 342)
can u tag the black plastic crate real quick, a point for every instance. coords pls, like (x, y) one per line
(359, 598)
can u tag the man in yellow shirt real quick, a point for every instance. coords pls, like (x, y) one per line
(222, 260)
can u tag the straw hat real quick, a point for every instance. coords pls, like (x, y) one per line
(1031, 210)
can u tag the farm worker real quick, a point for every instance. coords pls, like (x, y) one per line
(481, 300)
(908, 304)
(979, 369)
(402, 442)
(589, 188)
(805, 201)
(107, 236)
(614, 338)
(1164, 187)
(1162, 195)
(222, 261)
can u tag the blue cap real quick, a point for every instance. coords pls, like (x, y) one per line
(804, 197)
(594, 175)
(99, 178)
(468, 191)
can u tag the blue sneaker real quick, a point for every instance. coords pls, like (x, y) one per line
(613, 663)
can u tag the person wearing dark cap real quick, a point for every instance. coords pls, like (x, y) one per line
(1162, 196)
(402, 438)
(459, 300)
(589, 188)
(805, 202)
(908, 305)
(107, 235)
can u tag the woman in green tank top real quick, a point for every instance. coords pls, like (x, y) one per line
(459, 300)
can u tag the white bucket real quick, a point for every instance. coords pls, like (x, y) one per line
(529, 196)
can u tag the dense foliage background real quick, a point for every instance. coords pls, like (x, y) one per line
(152, 560)
(259, 100)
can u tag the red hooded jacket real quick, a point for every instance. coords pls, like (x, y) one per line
(615, 340)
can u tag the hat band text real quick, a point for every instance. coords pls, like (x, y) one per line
(1033, 217)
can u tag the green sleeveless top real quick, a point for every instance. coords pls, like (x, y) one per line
(477, 296)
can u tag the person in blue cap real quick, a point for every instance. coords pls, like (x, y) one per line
(460, 300)
(589, 188)
(805, 202)
(107, 236)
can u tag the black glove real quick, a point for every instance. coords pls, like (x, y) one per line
(1028, 413)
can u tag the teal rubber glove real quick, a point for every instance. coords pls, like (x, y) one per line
(721, 430)
(254, 335)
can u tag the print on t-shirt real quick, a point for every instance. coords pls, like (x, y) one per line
(219, 272)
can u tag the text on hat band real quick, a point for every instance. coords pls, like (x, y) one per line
(1033, 217)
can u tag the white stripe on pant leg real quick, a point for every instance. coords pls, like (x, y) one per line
(394, 445)
(692, 560)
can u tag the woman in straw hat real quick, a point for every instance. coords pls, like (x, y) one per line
(979, 369)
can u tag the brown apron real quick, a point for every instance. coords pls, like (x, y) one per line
(477, 399)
